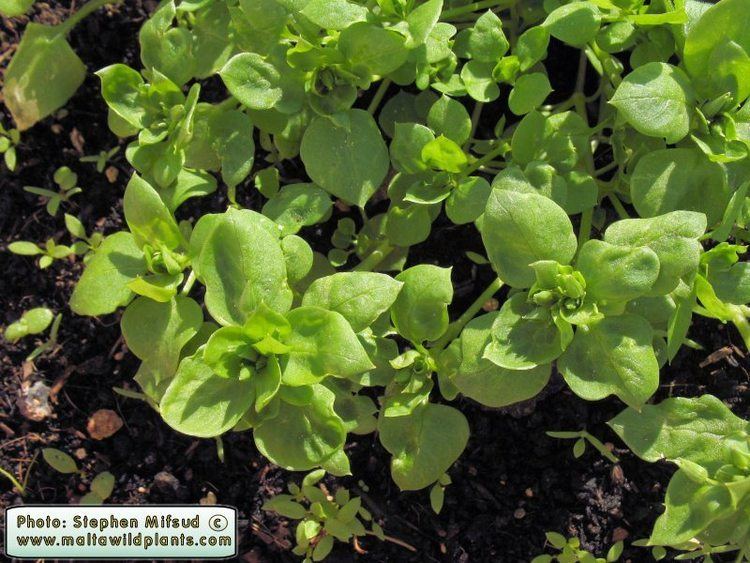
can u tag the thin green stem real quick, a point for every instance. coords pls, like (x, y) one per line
(619, 207)
(375, 257)
(456, 326)
(12, 478)
(743, 326)
(475, 115)
(86, 10)
(584, 231)
(475, 7)
(489, 157)
(189, 283)
(600, 446)
(378, 97)
(608, 168)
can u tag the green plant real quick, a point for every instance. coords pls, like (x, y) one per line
(323, 518)
(571, 551)
(49, 252)
(101, 159)
(579, 448)
(44, 72)
(33, 321)
(593, 212)
(708, 498)
(66, 181)
(101, 486)
(9, 140)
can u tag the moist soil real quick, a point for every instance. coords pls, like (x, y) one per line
(511, 485)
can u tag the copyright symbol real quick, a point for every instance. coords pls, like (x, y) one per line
(218, 523)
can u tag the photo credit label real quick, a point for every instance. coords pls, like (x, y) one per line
(121, 532)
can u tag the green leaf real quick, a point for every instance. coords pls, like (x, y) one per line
(165, 48)
(200, 403)
(617, 273)
(421, 21)
(575, 23)
(690, 508)
(532, 47)
(252, 80)
(487, 42)
(13, 8)
(121, 89)
(37, 319)
(672, 236)
(318, 433)
(612, 357)
(156, 333)
(444, 154)
(148, 217)
(370, 47)
(520, 341)
(103, 287)
(700, 429)
(360, 297)
(467, 200)
(103, 485)
(529, 92)
(707, 53)
(323, 548)
(348, 162)
(42, 76)
(656, 99)
(59, 461)
(521, 228)
(321, 343)
(298, 205)
(450, 118)
(285, 506)
(241, 264)
(423, 444)
(479, 82)
(484, 381)
(334, 14)
(437, 498)
(421, 309)
(674, 179)
(233, 143)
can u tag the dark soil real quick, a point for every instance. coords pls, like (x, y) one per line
(512, 484)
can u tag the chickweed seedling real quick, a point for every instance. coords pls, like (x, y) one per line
(579, 447)
(66, 181)
(9, 140)
(571, 551)
(322, 518)
(101, 486)
(102, 159)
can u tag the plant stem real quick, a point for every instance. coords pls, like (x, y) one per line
(374, 258)
(16, 484)
(391, 539)
(475, 115)
(619, 207)
(584, 231)
(378, 97)
(455, 327)
(474, 7)
(189, 283)
(743, 326)
(477, 164)
(600, 446)
(86, 10)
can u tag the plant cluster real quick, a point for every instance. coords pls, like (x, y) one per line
(611, 209)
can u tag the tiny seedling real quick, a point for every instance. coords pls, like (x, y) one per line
(322, 518)
(49, 252)
(101, 486)
(9, 140)
(33, 321)
(66, 181)
(100, 160)
(570, 551)
(581, 437)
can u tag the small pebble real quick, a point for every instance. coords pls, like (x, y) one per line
(519, 514)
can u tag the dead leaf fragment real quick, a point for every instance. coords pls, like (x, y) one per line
(103, 424)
